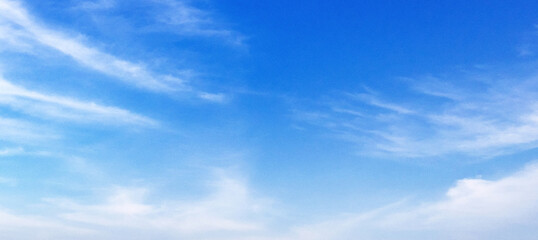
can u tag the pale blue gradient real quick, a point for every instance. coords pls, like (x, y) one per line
(180, 119)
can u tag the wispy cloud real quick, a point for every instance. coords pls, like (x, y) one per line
(376, 102)
(229, 208)
(50, 106)
(8, 181)
(13, 226)
(229, 211)
(11, 151)
(21, 131)
(213, 97)
(473, 209)
(483, 114)
(96, 5)
(31, 32)
(528, 46)
(182, 18)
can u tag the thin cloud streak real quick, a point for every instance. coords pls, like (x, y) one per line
(229, 208)
(184, 19)
(43, 105)
(30, 32)
(228, 212)
(14, 226)
(96, 5)
(11, 151)
(376, 102)
(472, 209)
(448, 118)
(8, 181)
(21, 131)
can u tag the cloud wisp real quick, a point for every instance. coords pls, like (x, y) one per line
(21, 131)
(55, 107)
(30, 32)
(438, 117)
(8, 181)
(184, 19)
(11, 151)
(473, 209)
(180, 17)
(229, 211)
(96, 5)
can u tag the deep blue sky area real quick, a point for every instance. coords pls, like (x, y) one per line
(344, 45)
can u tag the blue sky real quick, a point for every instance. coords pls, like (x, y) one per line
(304, 120)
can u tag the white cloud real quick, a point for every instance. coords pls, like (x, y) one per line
(213, 97)
(43, 105)
(480, 114)
(475, 208)
(180, 17)
(374, 101)
(8, 181)
(14, 226)
(506, 208)
(228, 212)
(229, 208)
(11, 151)
(20, 131)
(185, 19)
(30, 32)
(11, 37)
(96, 5)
